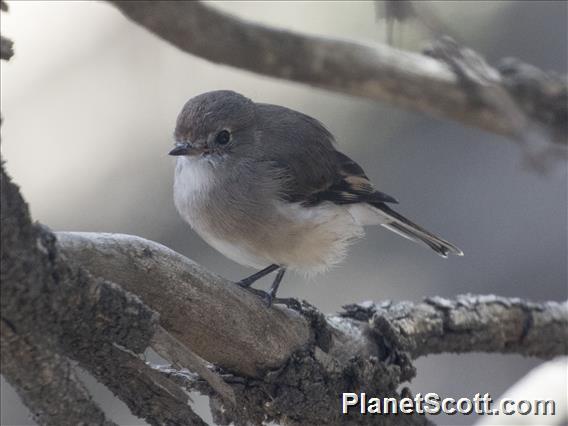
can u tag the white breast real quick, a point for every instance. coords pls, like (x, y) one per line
(194, 178)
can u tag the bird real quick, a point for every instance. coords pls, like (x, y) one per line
(266, 186)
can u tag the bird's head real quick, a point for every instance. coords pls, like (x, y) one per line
(214, 125)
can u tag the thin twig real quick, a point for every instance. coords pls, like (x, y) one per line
(170, 348)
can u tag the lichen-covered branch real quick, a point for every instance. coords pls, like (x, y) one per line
(280, 363)
(322, 356)
(368, 346)
(170, 283)
(219, 321)
(46, 382)
(172, 349)
(49, 303)
(373, 71)
(44, 379)
(469, 323)
(147, 393)
(223, 316)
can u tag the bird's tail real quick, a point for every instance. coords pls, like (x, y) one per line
(407, 229)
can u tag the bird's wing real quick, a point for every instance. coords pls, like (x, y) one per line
(349, 186)
(303, 152)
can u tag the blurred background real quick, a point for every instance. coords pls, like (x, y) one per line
(89, 103)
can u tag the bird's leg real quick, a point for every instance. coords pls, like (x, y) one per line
(274, 287)
(270, 296)
(248, 281)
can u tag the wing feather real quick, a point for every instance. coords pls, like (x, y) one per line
(313, 171)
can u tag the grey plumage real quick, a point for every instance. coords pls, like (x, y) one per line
(278, 192)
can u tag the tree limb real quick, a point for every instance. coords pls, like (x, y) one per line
(300, 363)
(44, 379)
(372, 71)
(340, 351)
(170, 348)
(371, 345)
(171, 283)
(46, 382)
(146, 392)
(222, 323)
(51, 303)
(469, 324)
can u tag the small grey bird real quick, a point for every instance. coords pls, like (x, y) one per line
(265, 186)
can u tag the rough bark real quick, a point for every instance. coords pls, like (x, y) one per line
(372, 71)
(369, 346)
(317, 358)
(50, 304)
(46, 382)
(469, 323)
(179, 355)
(222, 323)
(170, 283)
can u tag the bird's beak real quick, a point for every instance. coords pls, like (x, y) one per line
(187, 149)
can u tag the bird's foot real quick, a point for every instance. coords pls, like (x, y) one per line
(289, 302)
(269, 299)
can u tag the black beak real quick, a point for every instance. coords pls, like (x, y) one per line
(180, 149)
(188, 149)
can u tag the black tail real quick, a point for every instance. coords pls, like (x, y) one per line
(412, 231)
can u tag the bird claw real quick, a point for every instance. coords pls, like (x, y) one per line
(266, 297)
(289, 302)
(270, 300)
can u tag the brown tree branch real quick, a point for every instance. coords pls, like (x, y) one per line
(220, 322)
(146, 392)
(44, 379)
(219, 311)
(276, 355)
(46, 382)
(469, 323)
(372, 71)
(341, 352)
(338, 350)
(51, 304)
(170, 348)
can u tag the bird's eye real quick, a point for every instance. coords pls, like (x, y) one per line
(223, 137)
